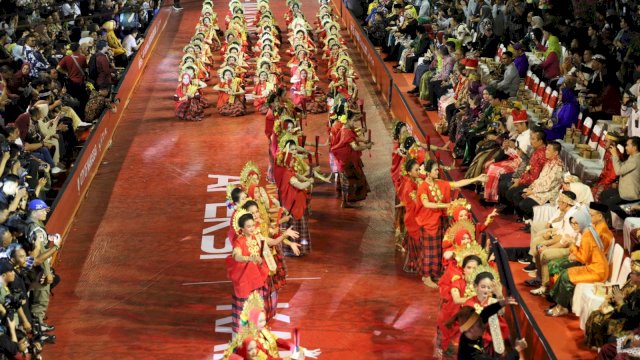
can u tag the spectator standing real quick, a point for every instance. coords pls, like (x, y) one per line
(73, 66)
(42, 251)
(628, 189)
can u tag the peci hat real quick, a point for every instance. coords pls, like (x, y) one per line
(37, 204)
(568, 197)
(599, 207)
(471, 64)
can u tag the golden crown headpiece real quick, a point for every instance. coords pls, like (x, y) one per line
(462, 251)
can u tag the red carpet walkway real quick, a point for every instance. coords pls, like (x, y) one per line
(143, 275)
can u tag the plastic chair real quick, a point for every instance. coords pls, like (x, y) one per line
(625, 270)
(587, 126)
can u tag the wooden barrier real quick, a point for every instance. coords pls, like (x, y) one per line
(86, 166)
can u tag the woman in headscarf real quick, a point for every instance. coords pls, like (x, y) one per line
(579, 222)
(588, 261)
(564, 116)
(550, 67)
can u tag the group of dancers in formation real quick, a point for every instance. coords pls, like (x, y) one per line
(270, 215)
(440, 242)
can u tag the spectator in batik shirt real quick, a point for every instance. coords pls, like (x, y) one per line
(34, 57)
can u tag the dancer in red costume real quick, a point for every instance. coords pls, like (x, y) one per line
(433, 198)
(454, 292)
(487, 285)
(408, 196)
(347, 149)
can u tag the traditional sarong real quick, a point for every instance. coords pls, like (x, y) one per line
(354, 182)
(412, 260)
(238, 108)
(431, 252)
(562, 291)
(190, 109)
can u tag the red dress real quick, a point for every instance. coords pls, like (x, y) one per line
(431, 226)
(260, 103)
(408, 196)
(607, 176)
(350, 166)
(453, 278)
(397, 161)
(246, 276)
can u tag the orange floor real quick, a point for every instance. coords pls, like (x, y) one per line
(141, 274)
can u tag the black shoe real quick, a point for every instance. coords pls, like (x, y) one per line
(533, 283)
(530, 268)
(430, 108)
(47, 328)
(413, 91)
(48, 339)
(525, 260)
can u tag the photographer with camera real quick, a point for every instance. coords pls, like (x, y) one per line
(11, 193)
(10, 346)
(42, 252)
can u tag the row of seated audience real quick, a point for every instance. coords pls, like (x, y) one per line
(593, 63)
(59, 65)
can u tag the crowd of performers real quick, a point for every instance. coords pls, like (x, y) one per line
(270, 214)
(440, 242)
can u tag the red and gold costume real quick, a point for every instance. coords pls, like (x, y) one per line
(431, 222)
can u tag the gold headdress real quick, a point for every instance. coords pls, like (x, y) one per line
(236, 216)
(244, 333)
(454, 205)
(462, 251)
(250, 168)
(286, 136)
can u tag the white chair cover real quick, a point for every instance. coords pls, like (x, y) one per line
(630, 223)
